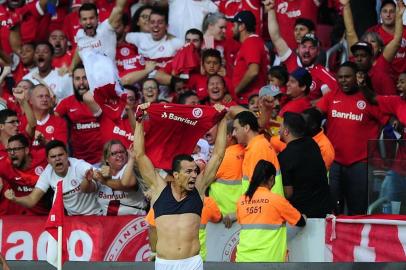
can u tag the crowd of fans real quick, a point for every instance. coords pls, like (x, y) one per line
(262, 60)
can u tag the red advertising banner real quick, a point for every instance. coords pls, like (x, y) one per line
(90, 238)
(375, 238)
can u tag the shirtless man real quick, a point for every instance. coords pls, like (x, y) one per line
(178, 204)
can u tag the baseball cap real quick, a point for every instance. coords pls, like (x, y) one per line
(362, 45)
(269, 90)
(312, 38)
(302, 76)
(246, 17)
(385, 2)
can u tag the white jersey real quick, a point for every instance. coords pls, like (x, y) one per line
(149, 48)
(130, 202)
(192, 14)
(75, 201)
(104, 42)
(61, 86)
(98, 55)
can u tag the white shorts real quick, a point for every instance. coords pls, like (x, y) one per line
(192, 263)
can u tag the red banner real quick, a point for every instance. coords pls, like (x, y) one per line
(90, 238)
(376, 238)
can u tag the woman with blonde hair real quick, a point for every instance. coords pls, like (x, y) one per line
(118, 197)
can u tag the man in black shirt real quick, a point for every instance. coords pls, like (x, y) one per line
(304, 174)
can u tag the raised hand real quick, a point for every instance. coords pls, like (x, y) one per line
(144, 106)
(268, 4)
(19, 94)
(219, 107)
(89, 175)
(400, 7)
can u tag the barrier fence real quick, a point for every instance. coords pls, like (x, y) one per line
(376, 238)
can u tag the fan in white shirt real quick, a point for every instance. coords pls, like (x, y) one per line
(118, 197)
(77, 182)
(192, 14)
(156, 45)
(61, 86)
(96, 45)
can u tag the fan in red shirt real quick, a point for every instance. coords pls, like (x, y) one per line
(21, 171)
(211, 63)
(297, 89)
(115, 120)
(85, 128)
(49, 126)
(379, 71)
(287, 11)
(386, 30)
(307, 54)
(61, 57)
(352, 119)
(394, 184)
(369, 53)
(252, 60)
(26, 16)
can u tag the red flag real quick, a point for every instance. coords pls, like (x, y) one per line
(55, 220)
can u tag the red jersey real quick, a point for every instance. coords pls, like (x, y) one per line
(85, 130)
(7, 21)
(396, 105)
(114, 126)
(52, 128)
(252, 51)
(12, 104)
(296, 106)
(128, 59)
(399, 63)
(23, 182)
(118, 130)
(287, 11)
(172, 129)
(6, 206)
(382, 78)
(322, 80)
(49, 23)
(351, 122)
(20, 71)
(3, 152)
(198, 83)
(64, 60)
(28, 16)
